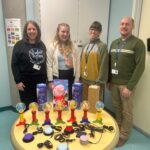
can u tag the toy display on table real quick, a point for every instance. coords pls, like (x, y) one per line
(33, 108)
(41, 91)
(60, 92)
(20, 107)
(59, 108)
(46, 108)
(85, 108)
(77, 93)
(99, 107)
(72, 106)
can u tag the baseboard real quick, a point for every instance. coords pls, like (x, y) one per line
(8, 108)
(142, 131)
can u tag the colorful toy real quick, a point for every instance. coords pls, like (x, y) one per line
(34, 107)
(99, 107)
(46, 108)
(59, 107)
(20, 107)
(41, 91)
(85, 108)
(72, 105)
(77, 93)
(68, 129)
(59, 94)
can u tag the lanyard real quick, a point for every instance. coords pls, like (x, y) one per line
(120, 45)
(87, 53)
(119, 48)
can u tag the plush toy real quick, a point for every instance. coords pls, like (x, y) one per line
(59, 94)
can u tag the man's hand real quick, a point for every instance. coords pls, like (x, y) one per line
(126, 93)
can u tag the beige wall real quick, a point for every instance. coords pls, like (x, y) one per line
(142, 93)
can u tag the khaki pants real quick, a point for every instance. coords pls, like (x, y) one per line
(123, 107)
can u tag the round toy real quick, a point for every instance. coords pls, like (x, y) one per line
(28, 138)
(62, 146)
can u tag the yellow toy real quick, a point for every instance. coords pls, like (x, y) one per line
(99, 107)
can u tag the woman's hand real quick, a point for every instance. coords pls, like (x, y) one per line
(20, 86)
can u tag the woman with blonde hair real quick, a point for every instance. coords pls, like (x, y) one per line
(63, 58)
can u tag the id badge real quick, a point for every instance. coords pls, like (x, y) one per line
(36, 67)
(114, 71)
(85, 74)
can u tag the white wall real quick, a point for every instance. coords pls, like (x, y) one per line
(142, 93)
(79, 14)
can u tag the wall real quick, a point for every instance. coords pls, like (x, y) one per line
(142, 94)
(5, 99)
(11, 11)
(79, 14)
(33, 10)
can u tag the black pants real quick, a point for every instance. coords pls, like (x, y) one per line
(67, 75)
(29, 94)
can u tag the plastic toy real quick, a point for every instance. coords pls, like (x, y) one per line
(99, 107)
(85, 108)
(59, 107)
(20, 107)
(72, 106)
(46, 108)
(34, 107)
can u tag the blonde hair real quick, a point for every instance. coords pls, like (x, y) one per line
(67, 48)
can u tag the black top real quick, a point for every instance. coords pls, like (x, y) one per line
(28, 60)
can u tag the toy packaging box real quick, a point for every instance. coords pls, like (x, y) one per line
(41, 91)
(60, 92)
(77, 93)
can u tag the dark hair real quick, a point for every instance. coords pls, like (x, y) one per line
(25, 35)
(96, 25)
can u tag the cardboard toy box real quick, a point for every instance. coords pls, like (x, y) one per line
(93, 97)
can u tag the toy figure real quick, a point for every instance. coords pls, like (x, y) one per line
(46, 108)
(59, 94)
(99, 107)
(20, 107)
(33, 107)
(72, 105)
(85, 107)
(59, 107)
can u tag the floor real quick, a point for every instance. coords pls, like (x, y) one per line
(137, 140)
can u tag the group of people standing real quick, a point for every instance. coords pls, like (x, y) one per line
(120, 68)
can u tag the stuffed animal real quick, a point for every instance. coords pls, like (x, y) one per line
(59, 94)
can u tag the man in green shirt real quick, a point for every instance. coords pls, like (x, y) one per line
(127, 63)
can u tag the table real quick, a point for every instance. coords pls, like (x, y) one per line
(108, 139)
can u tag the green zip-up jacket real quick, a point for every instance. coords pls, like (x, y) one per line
(127, 61)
